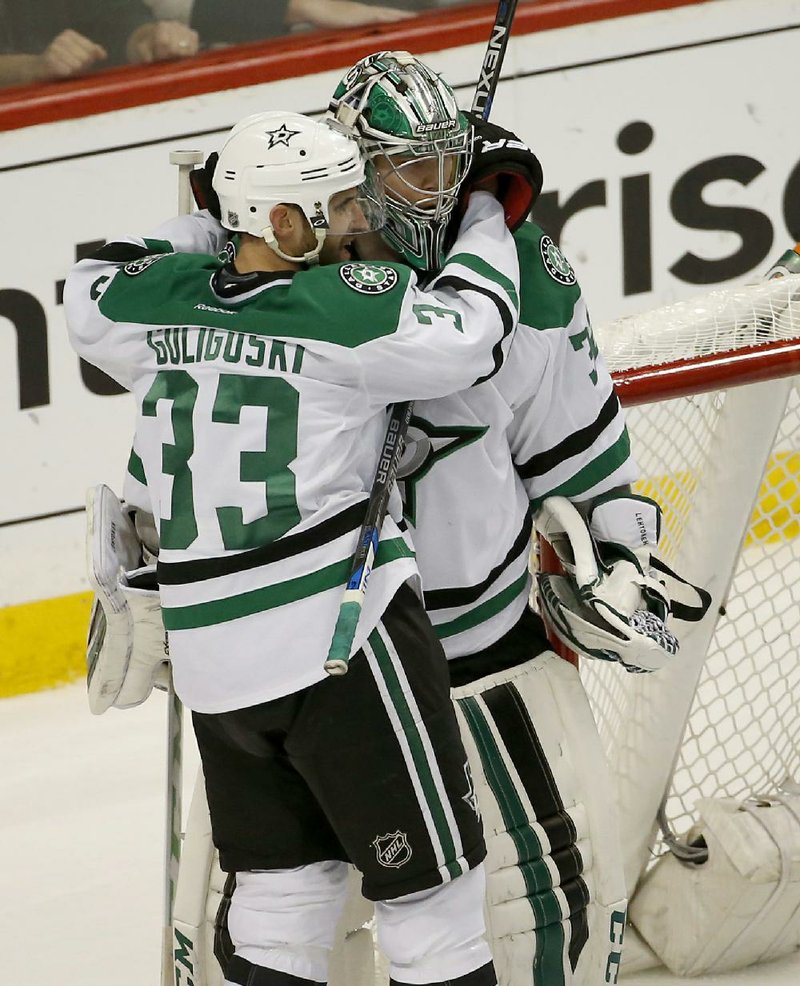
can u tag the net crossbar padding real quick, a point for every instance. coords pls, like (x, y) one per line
(722, 457)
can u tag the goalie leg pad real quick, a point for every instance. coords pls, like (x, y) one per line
(555, 897)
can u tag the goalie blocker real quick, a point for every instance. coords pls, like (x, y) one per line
(126, 651)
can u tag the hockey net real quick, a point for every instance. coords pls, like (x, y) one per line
(714, 419)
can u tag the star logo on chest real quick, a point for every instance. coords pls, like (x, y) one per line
(280, 137)
(425, 445)
(370, 275)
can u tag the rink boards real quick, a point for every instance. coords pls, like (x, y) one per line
(672, 130)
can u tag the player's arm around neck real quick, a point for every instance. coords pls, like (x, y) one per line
(481, 273)
(457, 331)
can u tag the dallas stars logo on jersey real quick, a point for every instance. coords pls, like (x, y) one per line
(556, 264)
(425, 445)
(368, 278)
(138, 266)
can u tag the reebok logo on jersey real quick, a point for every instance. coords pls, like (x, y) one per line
(392, 849)
(368, 278)
(556, 264)
(137, 266)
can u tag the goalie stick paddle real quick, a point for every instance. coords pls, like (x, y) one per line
(363, 559)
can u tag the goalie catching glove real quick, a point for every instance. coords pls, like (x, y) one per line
(499, 154)
(613, 601)
(126, 652)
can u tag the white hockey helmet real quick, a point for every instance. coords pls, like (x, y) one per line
(277, 157)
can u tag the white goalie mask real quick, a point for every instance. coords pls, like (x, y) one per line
(406, 118)
(276, 157)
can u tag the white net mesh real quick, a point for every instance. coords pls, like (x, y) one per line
(725, 467)
(715, 322)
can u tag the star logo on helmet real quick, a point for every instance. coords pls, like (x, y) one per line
(280, 137)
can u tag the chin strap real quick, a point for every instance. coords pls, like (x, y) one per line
(311, 258)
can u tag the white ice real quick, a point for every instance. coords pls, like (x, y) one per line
(82, 831)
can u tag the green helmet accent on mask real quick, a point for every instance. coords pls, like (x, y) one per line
(401, 111)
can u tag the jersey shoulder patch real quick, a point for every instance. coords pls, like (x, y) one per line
(369, 278)
(549, 288)
(555, 263)
(136, 267)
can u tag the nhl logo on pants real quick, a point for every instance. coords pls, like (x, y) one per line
(392, 849)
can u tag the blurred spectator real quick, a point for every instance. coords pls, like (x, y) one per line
(250, 20)
(42, 40)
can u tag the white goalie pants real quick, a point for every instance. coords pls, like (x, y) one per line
(555, 899)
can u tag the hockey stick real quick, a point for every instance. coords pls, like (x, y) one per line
(363, 559)
(185, 161)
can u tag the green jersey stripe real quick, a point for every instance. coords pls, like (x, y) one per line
(486, 610)
(316, 308)
(269, 597)
(288, 546)
(449, 598)
(158, 246)
(576, 443)
(592, 473)
(479, 266)
(548, 966)
(440, 822)
(136, 468)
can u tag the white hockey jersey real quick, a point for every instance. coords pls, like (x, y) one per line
(478, 462)
(260, 414)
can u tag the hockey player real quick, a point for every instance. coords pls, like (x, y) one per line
(478, 466)
(260, 387)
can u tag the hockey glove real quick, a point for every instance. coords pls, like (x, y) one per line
(126, 653)
(201, 181)
(499, 154)
(613, 603)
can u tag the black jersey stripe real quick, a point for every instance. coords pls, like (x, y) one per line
(464, 595)
(181, 572)
(579, 441)
(121, 253)
(506, 315)
(525, 750)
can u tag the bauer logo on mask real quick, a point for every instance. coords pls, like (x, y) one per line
(368, 278)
